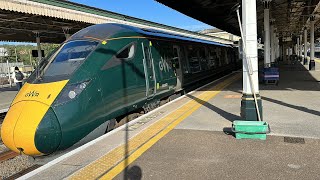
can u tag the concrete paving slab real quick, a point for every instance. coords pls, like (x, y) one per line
(7, 95)
(193, 154)
(291, 109)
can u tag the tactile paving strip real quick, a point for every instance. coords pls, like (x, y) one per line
(105, 167)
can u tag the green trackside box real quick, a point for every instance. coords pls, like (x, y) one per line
(250, 129)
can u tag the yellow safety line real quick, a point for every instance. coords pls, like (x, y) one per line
(111, 164)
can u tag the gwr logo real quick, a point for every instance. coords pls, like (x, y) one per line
(163, 65)
(32, 94)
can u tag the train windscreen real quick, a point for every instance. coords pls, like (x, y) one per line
(61, 64)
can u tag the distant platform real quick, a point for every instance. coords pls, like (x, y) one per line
(7, 94)
(190, 137)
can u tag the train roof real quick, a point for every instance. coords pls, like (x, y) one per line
(105, 31)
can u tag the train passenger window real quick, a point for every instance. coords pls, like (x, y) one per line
(219, 56)
(203, 58)
(127, 52)
(175, 59)
(193, 58)
(212, 55)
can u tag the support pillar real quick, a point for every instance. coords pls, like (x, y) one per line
(37, 34)
(305, 61)
(312, 64)
(38, 47)
(249, 24)
(66, 31)
(267, 61)
(277, 48)
(272, 41)
(300, 47)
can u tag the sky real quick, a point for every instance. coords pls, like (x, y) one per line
(144, 9)
(148, 10)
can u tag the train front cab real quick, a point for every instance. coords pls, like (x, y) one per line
(32, 125)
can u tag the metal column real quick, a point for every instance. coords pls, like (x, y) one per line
(249, 24)
(267, 33)
(37, 33)
(305, 61)
(300, 47)
(312, 64)
(272, 41)
(38, 47)
(66, 31)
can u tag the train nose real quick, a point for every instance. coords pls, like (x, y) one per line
(32, 128)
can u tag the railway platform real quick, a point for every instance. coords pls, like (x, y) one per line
(7, 95)
(189, 138)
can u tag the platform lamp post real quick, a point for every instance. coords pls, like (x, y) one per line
(305, 61)
(312, 64)
(266, 4)
(250, 84)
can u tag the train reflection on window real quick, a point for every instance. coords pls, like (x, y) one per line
(194, 64)
(127, 52)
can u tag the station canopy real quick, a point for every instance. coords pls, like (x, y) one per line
(53, 19)
(290, 16)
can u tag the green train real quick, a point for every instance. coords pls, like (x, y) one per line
(100, 74)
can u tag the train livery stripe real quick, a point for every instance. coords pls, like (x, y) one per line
(113, 163)
(26, 112)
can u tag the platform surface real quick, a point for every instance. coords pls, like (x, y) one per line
(7, 95)
(190, 139)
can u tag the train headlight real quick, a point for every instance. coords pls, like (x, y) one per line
(71, 91)
(72, 94)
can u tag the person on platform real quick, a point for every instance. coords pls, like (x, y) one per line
(17, 77)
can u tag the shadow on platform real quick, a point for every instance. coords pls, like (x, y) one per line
(229, 116)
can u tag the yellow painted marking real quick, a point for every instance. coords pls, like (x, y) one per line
(25, 114)
(111, 164)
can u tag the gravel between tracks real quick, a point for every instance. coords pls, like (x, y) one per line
(14, 166)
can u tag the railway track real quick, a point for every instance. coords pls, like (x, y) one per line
(23, 172)
(4, 156)
(2, 115)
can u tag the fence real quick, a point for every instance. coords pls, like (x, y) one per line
(4, 76)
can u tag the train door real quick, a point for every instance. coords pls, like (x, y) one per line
(149, 70)
(177, 56)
